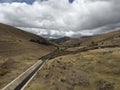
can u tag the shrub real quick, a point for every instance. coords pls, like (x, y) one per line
(62, 79)
(3, 72)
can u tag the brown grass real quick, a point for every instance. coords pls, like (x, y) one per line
(92, 70)
(18, 52)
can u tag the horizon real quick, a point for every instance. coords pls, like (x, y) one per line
(59, 44)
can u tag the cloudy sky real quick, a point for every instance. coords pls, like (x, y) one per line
(57, 18)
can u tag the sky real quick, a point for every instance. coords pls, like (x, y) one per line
(58, 18)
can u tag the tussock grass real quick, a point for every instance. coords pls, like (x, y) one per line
(91, 70)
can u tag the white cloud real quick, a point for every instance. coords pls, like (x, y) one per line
(60, 18)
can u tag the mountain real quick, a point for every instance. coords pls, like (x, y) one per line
(13, 39)
(18, 51)
(102, 39)
(60, 40)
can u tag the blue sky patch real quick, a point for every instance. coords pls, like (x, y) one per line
(26, 1)
(71, 1)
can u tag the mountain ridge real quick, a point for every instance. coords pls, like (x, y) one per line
(18, 51)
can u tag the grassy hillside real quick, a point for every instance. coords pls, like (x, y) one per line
(104, 39)
(108, 39)
(18, 51)
(92, 70)
(92, 64)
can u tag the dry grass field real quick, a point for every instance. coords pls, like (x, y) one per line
(92, 70)
(18, 51)
(75, 65)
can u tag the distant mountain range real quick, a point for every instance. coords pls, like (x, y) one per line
(105, 39)
(60, 40)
